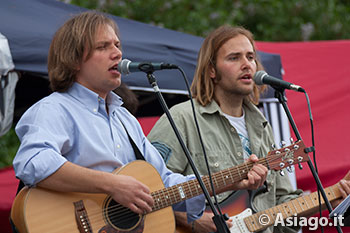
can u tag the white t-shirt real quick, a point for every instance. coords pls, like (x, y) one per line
(239, 124)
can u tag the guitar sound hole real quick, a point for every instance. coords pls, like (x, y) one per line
(120, 217)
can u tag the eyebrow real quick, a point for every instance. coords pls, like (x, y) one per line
(234, 54)
(106, 42)
(238, 54)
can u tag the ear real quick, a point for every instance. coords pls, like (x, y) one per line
(78, 66)
(212, 72)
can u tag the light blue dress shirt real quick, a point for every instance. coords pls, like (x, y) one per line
(74, 126)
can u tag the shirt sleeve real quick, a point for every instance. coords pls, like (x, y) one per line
(164, 139)
(43, 136)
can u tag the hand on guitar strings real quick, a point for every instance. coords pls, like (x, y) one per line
(256, 176)
(344, 188)
(132, 194)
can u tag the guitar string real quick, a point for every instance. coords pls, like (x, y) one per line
(220, 182)
(121, 215)
(172, 195)
(252, 219)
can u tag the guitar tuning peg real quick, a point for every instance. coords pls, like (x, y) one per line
(300, 166)
(290, 169)
(283, 143)
(291, 140)
(282, 173)
(273, 146)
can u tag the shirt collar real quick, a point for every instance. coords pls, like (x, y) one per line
(114, 100)
(210, 108)
(253, 114)
(213, 108)
(91, 99)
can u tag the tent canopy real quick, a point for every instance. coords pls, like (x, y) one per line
(30, 25)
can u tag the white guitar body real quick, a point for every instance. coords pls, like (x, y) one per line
(238, 223)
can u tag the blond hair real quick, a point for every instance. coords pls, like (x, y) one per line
(202, 87)
(72, 39)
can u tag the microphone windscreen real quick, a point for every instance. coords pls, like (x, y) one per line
(259, 76)
(123, 66)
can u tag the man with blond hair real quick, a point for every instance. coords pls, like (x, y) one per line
(225, 98)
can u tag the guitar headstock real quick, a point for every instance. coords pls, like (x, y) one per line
(287, 156)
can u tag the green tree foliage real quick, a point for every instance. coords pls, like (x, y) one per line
(269, 20)
(9, 144)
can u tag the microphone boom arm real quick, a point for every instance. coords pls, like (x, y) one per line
(219, 220)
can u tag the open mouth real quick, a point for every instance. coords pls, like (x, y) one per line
(246, 77)
(115, 67)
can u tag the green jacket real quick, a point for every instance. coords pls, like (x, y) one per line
(223, 147)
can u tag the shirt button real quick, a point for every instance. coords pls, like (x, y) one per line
(216, 164)
(233, 129)
(118, 146)
(239, 154)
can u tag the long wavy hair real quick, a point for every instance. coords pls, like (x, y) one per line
(202, 87)
(72, 39)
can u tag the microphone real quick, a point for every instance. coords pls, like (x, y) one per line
(126, 66)
(261, 77)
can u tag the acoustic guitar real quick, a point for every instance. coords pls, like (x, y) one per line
(39, 210)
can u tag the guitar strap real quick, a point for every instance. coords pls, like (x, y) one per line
(137, 152)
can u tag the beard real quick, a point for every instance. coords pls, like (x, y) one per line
(236, 90)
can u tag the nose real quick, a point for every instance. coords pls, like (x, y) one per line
(116, 53)
(246, 63)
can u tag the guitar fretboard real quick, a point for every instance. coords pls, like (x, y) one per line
(177, 193)
(301, 206)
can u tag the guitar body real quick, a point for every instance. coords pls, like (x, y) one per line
(39, 210)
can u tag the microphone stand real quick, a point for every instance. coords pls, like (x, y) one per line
(281, 98)
(218, 219)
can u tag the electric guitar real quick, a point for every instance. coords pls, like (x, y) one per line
(246, 222)
(233, 205)
(39, 210)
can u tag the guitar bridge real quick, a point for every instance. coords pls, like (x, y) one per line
(81, 217)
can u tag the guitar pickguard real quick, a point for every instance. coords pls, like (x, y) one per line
(238, 223)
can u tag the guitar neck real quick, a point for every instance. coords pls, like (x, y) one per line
(301, 206)
(276, 160)
(177, 193)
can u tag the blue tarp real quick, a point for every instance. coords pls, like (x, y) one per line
(29, 26)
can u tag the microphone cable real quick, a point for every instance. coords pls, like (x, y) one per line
(314, 151)
(201, 140)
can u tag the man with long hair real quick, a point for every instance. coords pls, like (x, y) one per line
(232, 127)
